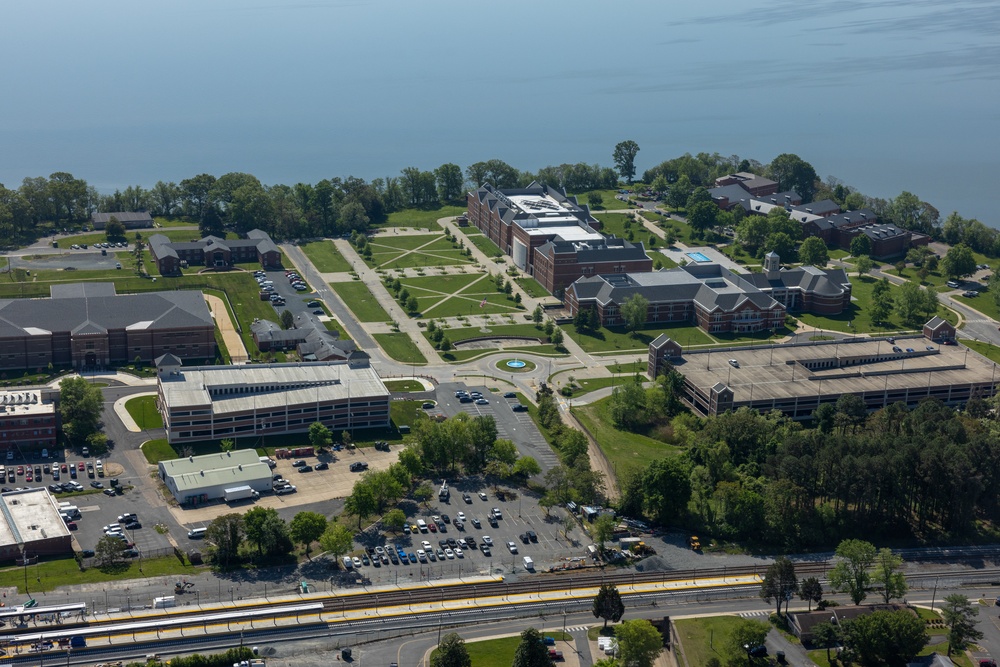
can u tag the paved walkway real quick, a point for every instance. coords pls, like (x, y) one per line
(231, 337)
(100, 376)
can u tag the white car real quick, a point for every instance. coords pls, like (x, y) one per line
(112, 528)
(356, 561)
(461, 516)
(487, 540)
(512, 547)
(426, 545)
(421, 555)
(496, 513)
(459, 553)
(450, 554)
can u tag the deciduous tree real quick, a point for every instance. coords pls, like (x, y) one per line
(959, 261)
(780, 583)
(811, 590)
(639, 643)
(602, 529)
(337, 540)
(451, 652)
(80, 405)
(307, 527)
(319, 435)
(851, 573)
(634, 311)
(267, 530)
(813, 252)
(225, 534)
(861, 245)
(959, 615)
(864, 264)
(624, 157)
(109, 552)
(531, 652)
(881, 638)
(888, 575)
(608, 604)
(793, 173)
(748, 633)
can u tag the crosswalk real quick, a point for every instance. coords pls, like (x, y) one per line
(578, 628)
(755, 614)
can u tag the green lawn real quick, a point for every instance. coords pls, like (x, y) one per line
(610, 340)
(426, 218)
(532, 287)
(143, 410)
(325, 257)
(624, 450)
(403, 385)
(587, 385)
(500, 652)
(489, 248)
(988, 350)
(470, 354)
(704, 638)
(665, 262)
(443, 284)
(473, 331)
(158, 450)
(49, 575)
(471, 305)
(400, 347)
(389, 242)
(984, 303)
(607, 199)
(360, 300)
(856, 319)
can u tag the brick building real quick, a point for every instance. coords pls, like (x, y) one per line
(754, 185)
(214, 402)
(212, 251)
(27, 420)
(88, 325)
(550, 236)
(716, 299)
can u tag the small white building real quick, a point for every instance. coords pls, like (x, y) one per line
(197, 480)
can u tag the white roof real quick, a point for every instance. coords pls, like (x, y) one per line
(24, 402)
(29, 516)
(271, 386)
(234, 468)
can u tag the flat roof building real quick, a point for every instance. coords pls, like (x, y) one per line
(129, 219)
(796, 378)
(27, 420)
(196, 480)
(549, 235)
(31, 525)
(215, 402)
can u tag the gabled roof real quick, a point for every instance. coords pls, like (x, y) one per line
(167, 359)
(938, 323)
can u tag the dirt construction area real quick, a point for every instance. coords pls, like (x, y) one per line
(311, 487)
(237, 351)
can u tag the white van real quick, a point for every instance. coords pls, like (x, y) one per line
(197, 533)
(348, 564)
(422, 525)
(72, 510)
(529, 564)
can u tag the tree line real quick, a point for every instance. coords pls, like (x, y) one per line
(763, 478)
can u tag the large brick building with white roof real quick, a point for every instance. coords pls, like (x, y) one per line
(549, 236)
(215, 402)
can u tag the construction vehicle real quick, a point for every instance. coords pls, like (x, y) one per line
(695, 543)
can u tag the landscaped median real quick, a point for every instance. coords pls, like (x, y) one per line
(361, 301)
(143, 411)
(400, 347)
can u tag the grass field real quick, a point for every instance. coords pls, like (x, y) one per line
(402, 252)
(500, 652)
(325, 257)
(403, 385)
(360, 300)
(699, 635)
(426, 218)
(624, 450)
(49, 575)
(473, 331)
(489, 248)
(468, 355)
(400, 347)
(984, 303)
(143, 410)
(586, 385)
(611, 339)
(856, 318)
(532, 287)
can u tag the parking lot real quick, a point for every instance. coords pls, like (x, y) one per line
(520, 513)
(515, 426)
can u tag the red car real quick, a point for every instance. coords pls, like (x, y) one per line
(20, 470)
(81, 466)
(63, 467)
(28, 477)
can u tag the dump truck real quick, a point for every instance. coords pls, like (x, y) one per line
(238, 493)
